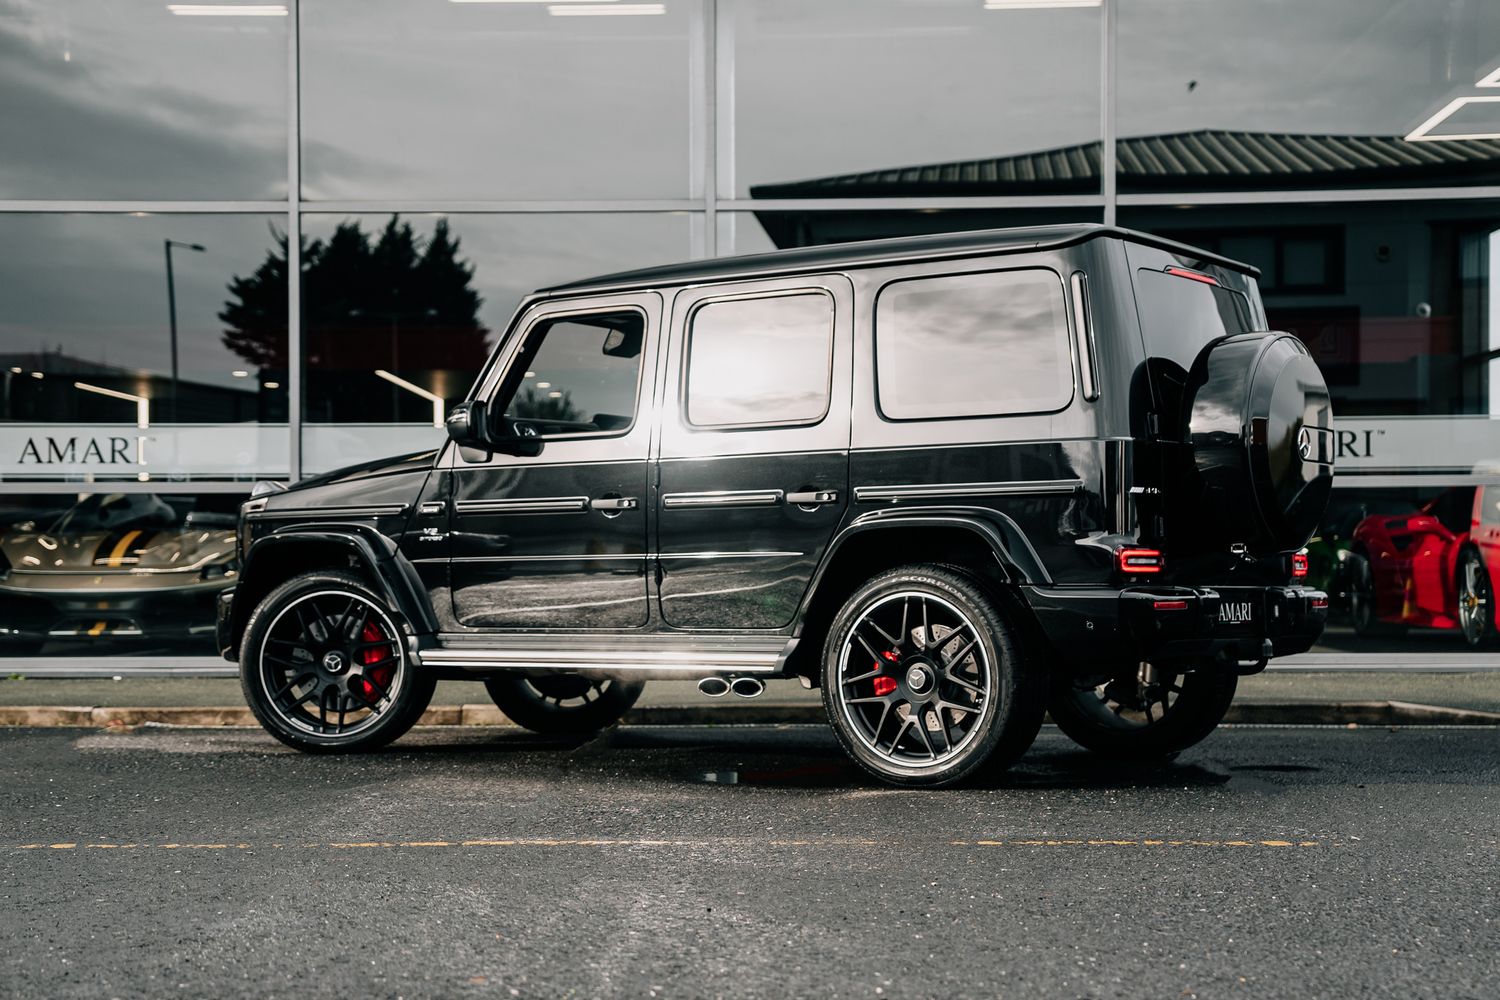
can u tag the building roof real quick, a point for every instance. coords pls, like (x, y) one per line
(1207, 159)
(868, 253)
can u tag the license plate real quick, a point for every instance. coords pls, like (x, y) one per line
(1232, 613)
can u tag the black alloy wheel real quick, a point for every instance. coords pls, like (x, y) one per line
(563, 704)
(1156, 710)
(1476, 616)
(324, 668)
(924, 681)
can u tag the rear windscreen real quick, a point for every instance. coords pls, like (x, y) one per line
(1179, 315)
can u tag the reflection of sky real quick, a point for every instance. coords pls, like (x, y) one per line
(976, 344)
(760, 359)
(96, 287)
(119, 99)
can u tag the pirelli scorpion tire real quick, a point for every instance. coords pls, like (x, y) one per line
(563, 704)
(1158, 711)
(324, 668)
(925, 680)
(1258, 418)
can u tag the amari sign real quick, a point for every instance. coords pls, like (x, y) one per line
(71, 451)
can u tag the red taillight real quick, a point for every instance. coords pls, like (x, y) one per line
(1319, 602)
(1139, 560)
(1299, 565)
(1169, 605)
(1183, 272)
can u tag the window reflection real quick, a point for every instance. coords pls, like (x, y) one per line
(765, 361)
(186, 107)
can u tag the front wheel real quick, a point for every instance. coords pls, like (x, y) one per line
(1476, 616)
(925, 681)
(324, 669)
(563, 704)
(1155, 711)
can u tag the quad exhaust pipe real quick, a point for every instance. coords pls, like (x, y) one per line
(745, 687)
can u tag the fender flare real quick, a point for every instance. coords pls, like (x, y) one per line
(391, 574)
(999, 532)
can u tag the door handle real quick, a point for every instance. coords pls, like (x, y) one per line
(615, 504)
(813, 498)
(431, 507)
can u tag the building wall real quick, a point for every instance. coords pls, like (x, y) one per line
(325, 211)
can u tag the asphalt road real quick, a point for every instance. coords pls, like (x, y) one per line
(745, 861)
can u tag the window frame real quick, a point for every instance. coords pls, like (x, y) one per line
(507, 384)
(1065, 331)
(685, 371)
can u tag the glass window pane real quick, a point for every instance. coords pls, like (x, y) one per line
(424, 299)
(142, 347)
(90, 574)
(760, 361)
(972, 345)
(1319, 93)
(580, 376)
(495, 100)
(125, 99)
(831, 99)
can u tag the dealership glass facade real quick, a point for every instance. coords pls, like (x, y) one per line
(261, 242)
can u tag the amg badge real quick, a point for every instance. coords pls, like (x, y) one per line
(1235, 613)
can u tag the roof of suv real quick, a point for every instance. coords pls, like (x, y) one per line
(868, 253)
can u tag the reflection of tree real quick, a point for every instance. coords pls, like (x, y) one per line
(394, 301)
(531, 404)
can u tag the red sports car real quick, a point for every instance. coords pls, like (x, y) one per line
(1432, 567)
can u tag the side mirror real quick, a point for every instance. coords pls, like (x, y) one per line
(467, 425)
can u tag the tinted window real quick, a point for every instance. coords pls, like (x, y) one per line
(1179, 315)
(580, 375)
(972, 345)
(760, 361)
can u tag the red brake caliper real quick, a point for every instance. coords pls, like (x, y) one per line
(885, 685)
(381, 675)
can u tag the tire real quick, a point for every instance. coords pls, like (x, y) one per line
(1122, 717)
(1476, 600)
(563, 704)
(324, 668)
(1364, 612)
(928, 643)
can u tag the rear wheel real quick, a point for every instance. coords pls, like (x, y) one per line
(561, 704)
(1362, 603)
(1476, 615)
(925, 681)
(324, 669)
(1155, 711)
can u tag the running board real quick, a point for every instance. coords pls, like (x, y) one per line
(688, 656)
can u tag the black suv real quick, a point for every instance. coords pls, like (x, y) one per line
(955, 481)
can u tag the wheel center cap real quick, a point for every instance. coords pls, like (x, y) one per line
(333, 662)
(918, 679)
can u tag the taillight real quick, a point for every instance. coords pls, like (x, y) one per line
(1169, 605)
(1299, 565)
(1183, 272)
(1320, 603)
(1139, 561)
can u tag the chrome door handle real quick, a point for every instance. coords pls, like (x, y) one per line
(432, 507)
(615, 503)
(813, 498)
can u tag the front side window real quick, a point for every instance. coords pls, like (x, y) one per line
(972, 345)
(758, 362)
(577, 375)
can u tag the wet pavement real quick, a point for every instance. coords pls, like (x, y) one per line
(747, 861)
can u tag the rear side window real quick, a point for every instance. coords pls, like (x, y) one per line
(1180, 315)
(759, 362)
(972, 345)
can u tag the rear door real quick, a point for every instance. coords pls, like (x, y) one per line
(754, 455)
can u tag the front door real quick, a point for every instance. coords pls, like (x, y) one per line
(754, 459)
(558, 539)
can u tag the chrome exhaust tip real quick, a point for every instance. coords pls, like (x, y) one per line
(748, 687)
(714, 687)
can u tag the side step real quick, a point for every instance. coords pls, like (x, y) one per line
(658, 655)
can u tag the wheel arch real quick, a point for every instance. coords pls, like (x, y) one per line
(360, 549)
(990, 546)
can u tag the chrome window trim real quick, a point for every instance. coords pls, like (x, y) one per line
(1083, 333)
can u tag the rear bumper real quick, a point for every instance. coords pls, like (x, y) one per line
(1090, 627)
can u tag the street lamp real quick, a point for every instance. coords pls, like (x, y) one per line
(167, 246)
